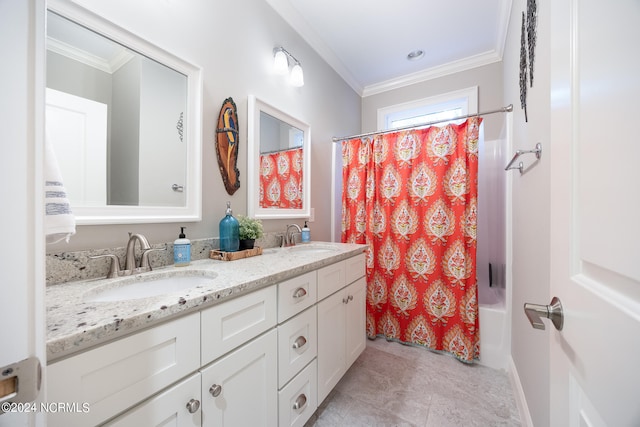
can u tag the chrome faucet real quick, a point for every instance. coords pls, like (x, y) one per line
(130, 266)
(130, 260)
(289, 238)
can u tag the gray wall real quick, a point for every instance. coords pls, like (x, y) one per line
(531, 213)
(233, 43)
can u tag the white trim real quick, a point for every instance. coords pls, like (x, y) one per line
(470, 93)
(254, 107)
(192, 211)
(521, 401)
(434, 73)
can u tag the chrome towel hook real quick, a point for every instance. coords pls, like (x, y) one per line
(537, 151)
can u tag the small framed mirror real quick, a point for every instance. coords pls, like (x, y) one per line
(278, 164)
(124, 118)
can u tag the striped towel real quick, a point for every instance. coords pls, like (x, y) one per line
(59, 222)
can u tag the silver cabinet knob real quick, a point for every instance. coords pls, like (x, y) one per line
(193, 405)
(215, 390)
(299, 342)
(299, 293)
(553, 312)
(301, 402)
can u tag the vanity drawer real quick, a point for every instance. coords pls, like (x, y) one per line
(231, 324)
(299, 399)
(116, 376)
(355, 268)
(297, 344)
(294, 295)
(331, 279)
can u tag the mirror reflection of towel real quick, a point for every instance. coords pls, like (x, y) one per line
(59, 222)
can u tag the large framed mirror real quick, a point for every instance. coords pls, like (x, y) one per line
(124, 118)
(278, 165)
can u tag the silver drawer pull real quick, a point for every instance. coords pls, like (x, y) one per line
(300, 402)
(299, 342)
(299, 293)
(215, 390)
(193, 405)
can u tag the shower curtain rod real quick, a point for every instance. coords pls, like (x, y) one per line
(507, 109)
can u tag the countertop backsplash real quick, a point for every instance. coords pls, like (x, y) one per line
(66, 267)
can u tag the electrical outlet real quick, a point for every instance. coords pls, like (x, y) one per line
(312, 215)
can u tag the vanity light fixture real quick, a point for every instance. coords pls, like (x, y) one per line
(281, 66)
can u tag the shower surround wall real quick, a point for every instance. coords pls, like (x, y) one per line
(493, 288)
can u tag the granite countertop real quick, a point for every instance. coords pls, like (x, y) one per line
(75, 324)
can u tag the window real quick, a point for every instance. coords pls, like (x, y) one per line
(426, 110)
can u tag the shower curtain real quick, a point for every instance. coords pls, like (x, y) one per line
(412, 197)
(281, 179)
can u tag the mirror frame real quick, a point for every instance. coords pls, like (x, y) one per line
(192, 210)
(255, 106)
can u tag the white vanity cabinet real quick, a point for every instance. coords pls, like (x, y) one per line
(297, 349)
(167, 408)
(341, 321)
(265, 358)
(241, 387)
(118, 375)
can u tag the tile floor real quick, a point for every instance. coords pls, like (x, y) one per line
(396, 385)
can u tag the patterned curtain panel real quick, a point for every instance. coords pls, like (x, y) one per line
(281, 179)
(412, 197)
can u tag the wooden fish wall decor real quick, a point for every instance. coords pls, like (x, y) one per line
(227, 145)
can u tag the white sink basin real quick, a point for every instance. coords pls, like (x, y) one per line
(310, 248)
(138, 287)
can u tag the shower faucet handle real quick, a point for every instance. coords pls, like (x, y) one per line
(553, 311)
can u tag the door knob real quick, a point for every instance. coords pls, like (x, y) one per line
(553, 311)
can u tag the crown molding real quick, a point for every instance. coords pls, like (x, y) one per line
(433, 73)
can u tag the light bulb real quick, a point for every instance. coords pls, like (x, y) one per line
(280, 63)
(296, 78)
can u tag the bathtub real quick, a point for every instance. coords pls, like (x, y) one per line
(494, 327)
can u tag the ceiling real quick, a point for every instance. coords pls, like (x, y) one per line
(367, 41)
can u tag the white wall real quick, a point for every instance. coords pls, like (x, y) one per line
(531, 212)
(233, 43)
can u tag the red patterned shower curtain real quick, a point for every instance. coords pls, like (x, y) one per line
(281, 179)
(412, 197)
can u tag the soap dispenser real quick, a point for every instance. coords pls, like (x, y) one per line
(181, 250)
(229, 232)
(306, 233)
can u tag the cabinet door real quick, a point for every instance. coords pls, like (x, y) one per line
(241, 389)
(331, 343)
(355, 328)
(114, 377)
(177, 406)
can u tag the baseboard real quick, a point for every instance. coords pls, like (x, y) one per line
(521, 401)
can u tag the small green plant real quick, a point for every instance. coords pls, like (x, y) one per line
(250, 228)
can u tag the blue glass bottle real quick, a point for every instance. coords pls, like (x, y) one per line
(229, 232)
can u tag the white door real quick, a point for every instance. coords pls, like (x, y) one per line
(22, 251)
(595, 208)
(77, 129)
